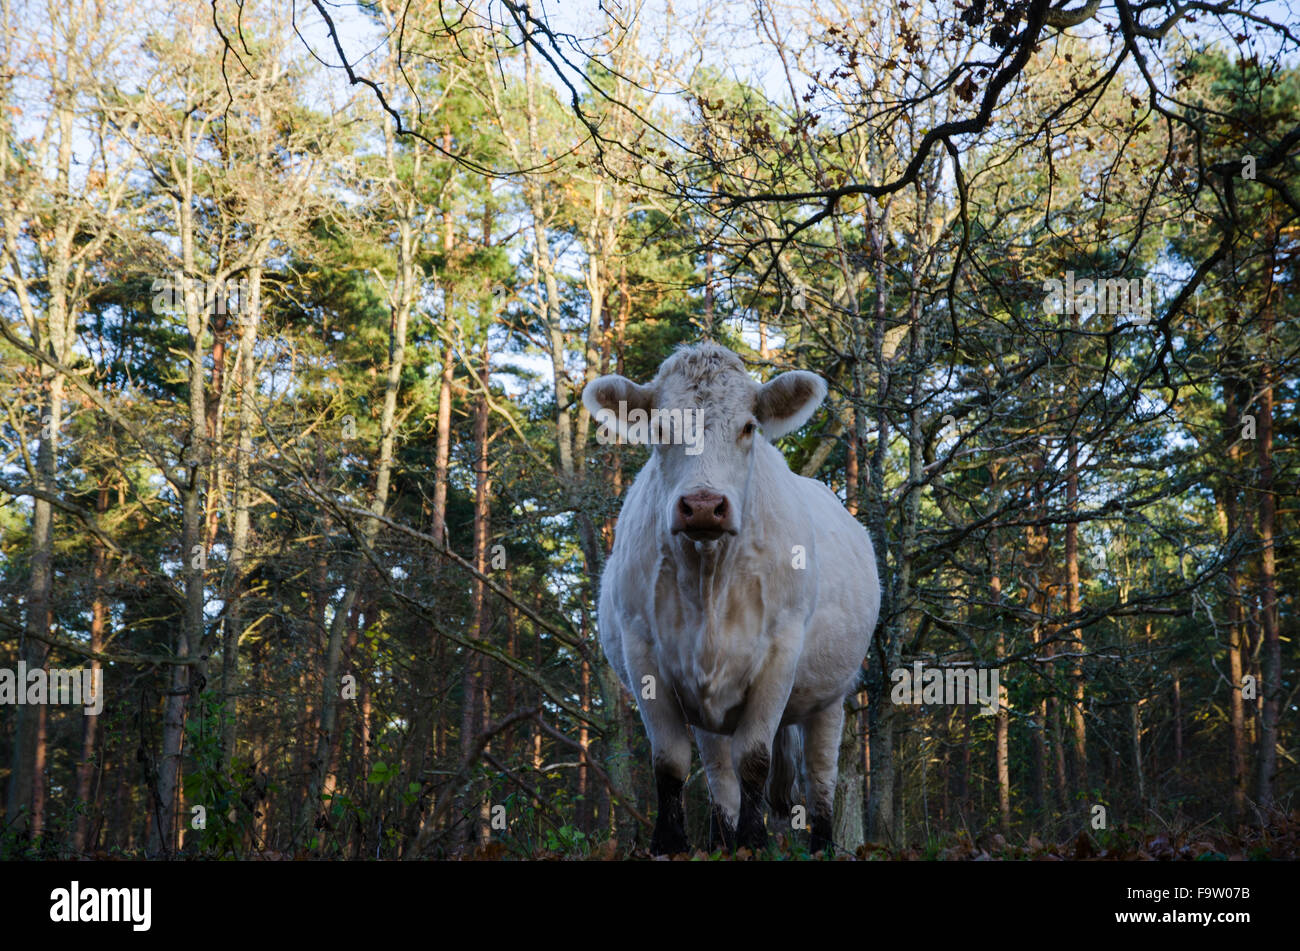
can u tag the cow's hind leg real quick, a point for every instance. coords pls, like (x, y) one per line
(784, 784)
(821, 770)
(724, 789)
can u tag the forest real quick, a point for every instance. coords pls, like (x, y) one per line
(302, 518)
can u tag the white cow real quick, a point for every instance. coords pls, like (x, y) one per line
(739, 598)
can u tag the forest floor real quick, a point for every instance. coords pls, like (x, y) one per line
(1279, 840)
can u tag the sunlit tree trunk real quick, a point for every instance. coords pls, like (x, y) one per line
(477, 715)
(1270, 688)
(1228, 492)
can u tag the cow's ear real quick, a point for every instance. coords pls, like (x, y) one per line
(603, 396)
(787, 402)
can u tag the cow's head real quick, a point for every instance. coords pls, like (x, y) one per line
(703, 413)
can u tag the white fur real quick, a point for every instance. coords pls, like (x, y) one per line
(738, 639)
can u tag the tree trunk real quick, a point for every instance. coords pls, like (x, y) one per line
(194, 460)
(321, 780)
(1078, 729)
(1002, 723)
(25, 800)
(476, 715)
(86, 768)
(1270, 691)
(1178, 720)
(233, 629)
(24, 809)
(442, 451)
(848, 832)
(1237, 742)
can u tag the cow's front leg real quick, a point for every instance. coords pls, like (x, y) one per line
(670, 746)
(724, 788)
(753, 766)
(751, 746)
(669, 836)
(821, 768)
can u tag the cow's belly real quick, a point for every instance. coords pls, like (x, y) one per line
(834, 648)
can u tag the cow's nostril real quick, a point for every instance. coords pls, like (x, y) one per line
(702, 511)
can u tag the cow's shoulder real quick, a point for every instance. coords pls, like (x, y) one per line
(813, 509)
(790, 492)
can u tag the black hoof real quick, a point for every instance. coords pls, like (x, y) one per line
(751, 833)
(669, 841)
(670, 825)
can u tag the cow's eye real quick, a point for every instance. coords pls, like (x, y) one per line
(749, 429)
